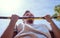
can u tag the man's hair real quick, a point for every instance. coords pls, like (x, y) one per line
(26, 12)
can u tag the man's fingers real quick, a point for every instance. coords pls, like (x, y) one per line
(14, 18)
(48, 17)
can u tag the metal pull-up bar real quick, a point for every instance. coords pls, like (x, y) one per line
(28, 17)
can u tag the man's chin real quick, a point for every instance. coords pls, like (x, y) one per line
(30, 21)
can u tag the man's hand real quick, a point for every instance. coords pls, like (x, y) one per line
(14, 18)
(9, 31)
(55, 29)
(48, 18)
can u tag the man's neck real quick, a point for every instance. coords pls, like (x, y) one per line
(29, 23)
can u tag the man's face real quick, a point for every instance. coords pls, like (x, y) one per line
(29, 19)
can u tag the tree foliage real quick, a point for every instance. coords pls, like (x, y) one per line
(57, 8)
(57, 12)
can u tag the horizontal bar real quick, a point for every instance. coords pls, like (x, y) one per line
(25, 17)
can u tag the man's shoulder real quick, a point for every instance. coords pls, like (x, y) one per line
(42, 25)
(20, 25)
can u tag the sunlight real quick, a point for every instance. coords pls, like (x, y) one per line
(10, 6)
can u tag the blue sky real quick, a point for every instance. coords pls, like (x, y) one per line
(37, 7)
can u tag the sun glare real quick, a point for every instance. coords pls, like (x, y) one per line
(10, 6)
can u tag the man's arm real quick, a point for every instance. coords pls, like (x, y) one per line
(9, 31)
(55, 29)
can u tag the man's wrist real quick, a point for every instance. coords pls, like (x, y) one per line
(51, 22)
(13, 21)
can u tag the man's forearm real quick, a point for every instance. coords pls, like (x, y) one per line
(9, 31)
(55, 29)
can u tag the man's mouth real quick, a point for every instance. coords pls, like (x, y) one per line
(30, 21)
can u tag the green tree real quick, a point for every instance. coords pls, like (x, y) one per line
(57, 11)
